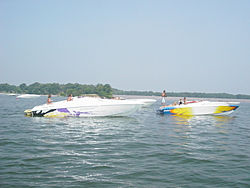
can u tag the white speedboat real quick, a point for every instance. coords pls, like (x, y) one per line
(86, 107)
(200, 108)
(25, 96)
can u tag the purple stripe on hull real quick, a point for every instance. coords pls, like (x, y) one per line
(65, 110)
(73, 113)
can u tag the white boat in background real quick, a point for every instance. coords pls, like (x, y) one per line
(11, 94)
(146, 102)
(200, 108)
(86, 107)
(25, 96)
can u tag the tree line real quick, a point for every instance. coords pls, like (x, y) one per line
(103, 90)
(183, 94)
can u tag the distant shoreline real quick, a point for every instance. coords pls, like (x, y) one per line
(178, 98)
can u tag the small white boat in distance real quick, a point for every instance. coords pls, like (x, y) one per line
(25, 96)
(200, 108)
(11, 94)
(86, 107)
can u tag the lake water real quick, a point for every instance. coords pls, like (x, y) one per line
(143, 150)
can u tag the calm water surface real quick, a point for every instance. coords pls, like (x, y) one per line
(143, 150)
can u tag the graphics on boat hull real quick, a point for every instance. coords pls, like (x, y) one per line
(200, 108)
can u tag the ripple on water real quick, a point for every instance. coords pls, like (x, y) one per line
(143, 150)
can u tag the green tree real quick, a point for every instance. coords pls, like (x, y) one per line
(23, 87)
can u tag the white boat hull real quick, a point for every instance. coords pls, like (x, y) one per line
(87, 107)
(201, 108)
(146, 102)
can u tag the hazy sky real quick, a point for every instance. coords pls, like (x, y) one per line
(142, 45)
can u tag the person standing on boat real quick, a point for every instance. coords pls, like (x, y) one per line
(49, 101)
(163, 95)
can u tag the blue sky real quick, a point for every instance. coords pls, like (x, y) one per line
(142, 45)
